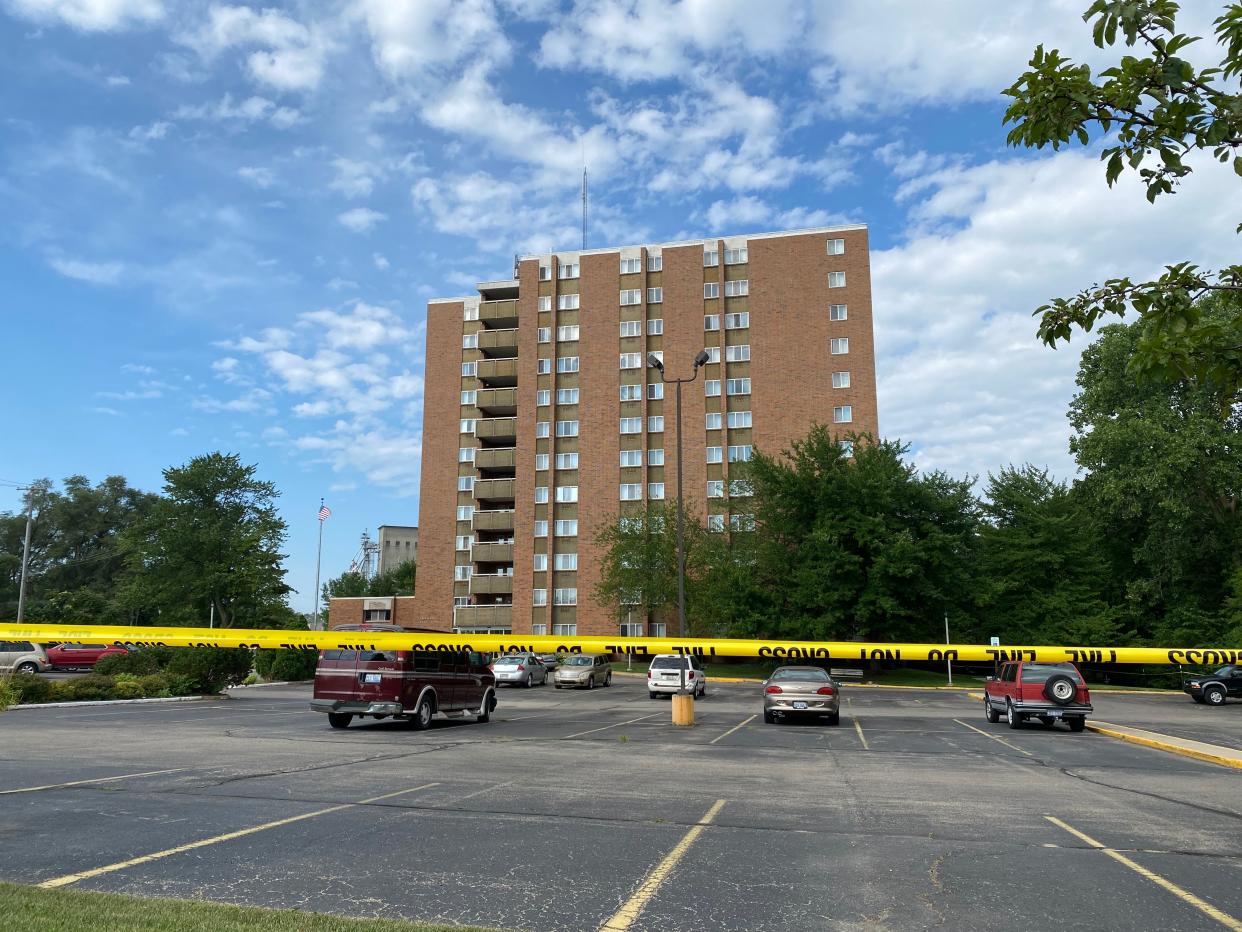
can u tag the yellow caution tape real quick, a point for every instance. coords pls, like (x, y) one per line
(640, 647)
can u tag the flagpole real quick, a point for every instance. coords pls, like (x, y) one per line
(318, 558)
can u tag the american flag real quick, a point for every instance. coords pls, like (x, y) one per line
(324, 512)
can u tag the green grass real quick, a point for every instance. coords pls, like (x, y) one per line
(29, 909)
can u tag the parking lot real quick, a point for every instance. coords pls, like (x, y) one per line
(582, 810)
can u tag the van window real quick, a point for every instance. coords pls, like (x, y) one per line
(346, 655)
(476, 659)
(667, 663)
(367, 656)
(426, 662)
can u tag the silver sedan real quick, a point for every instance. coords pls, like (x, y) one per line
(795, 691)
(519, 670)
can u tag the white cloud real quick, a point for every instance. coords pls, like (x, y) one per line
(258, 176)
(131, 395)
(381, 261)
(179, 432)
(410, 40)
(90, 15)
(254, 401)
(353, 178)
(361, 219)
(137, 369)
(157, 130)
(384, 457)
(290, 55)
(251, 110)
(97, 273)
(110, 412)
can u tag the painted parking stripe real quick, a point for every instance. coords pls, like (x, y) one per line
(857, 725)
(1228, 921)
(733, 729)
(57, 786)
(592, 731)
(993, 737)
(625, 916)
(67, 879)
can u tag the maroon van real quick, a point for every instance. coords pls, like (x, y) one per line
(412, 685)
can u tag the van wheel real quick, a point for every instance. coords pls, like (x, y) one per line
(339, 719)
(651, 695)
(422, 715)
(1214, 695)
(608, 679)
(768, 718)
(27, 667)
(1012, 716)
(591, 683)
(989, 712)
(489, 706)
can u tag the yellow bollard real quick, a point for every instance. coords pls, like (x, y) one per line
(683, 709)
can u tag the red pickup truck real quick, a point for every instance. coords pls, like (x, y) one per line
(1050, 692)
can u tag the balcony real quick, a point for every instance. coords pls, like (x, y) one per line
(492, 553)
(495, 490)
(496, 460)
(498, 373)
(493, 520)
(498, 344)
(494, 584)
(497, 430)
(497, 402)
(483, 616)
(499, 313)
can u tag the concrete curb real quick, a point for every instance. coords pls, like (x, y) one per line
(1211, 753)
(277, 683)
(98, 702)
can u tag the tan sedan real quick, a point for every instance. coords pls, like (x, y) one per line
(797, 691)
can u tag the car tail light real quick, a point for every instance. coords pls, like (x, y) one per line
(690, 675)
(521, 667)
(772, 690)
(826, 691)
(648, 674)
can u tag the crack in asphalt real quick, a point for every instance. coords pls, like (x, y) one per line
(1212, 810)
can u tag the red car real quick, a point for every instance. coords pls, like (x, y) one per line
(1049, 692)
(80, 656)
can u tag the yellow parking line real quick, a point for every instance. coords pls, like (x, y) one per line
(630, 911)
(993, 737)
(733, 729)
(1229, 922)
(215, 839)
(857, 726)
(1199, 750)
(592, 731)
(57, 786)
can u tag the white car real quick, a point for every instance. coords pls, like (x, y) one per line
(519, 670)
(664, 675)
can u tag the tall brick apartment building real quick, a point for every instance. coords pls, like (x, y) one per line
(542, 422)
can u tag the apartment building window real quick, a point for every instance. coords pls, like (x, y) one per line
(631, 393)
(539, 628)
(632, 629)
(467, 398)
(713, 454)
(567, 270)
(655, 423)
(738, 321)
(631, 491)
(631, 328)
(543, 397)
(740, 488)
(655, 263)
(466, 426)
(836, 247)
(736, 289)
(470, 313)
(742, 522)
(541, 495)
(541, 528)
(713, 353)
(738, 353)
(631, 458)
(468, 369)
(631, 425)
(544, 334)
(461, 573)
(543, 429)
(545, 273)
(567, 396)
(715, 488)
(840, 380)
(658, 354)
(711, 388)
(545, 302)
(738, 386)
(566, 561)
(543, 367)
(655, 491)
(847, 447)
(655, 295)
(631, 296)
(711, 322)
(465, 512)
(465, 454)
(655, 326)
(715, 523)
(629, 266)
(631, 360)
(713, 422)
(735, 256)
(655, 457)
(567, 527)
(539, 562)
(839, 346)
(565, 630)
(566, 493)
(470, 341)
(711, 258)
(567, 428)
(739, 419)
(568, 332)
(567, 461)
(465, 483)
(462, 542)
(843, 414)
(567, 302)
(711, 289)
(836, 279)
(541, 462)
(566, 363)
(539, 597)
(655, 390)
(740, 454)
(838, 312)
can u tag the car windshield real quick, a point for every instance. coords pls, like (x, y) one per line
(1223, 671)
(1040, 672)
(509, 661)
(811, 676)
(579, 661)
(668, 663)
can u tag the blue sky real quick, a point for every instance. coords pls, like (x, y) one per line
(222, 222)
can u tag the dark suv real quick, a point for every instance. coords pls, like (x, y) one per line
(411, 685)
(1212, 688)
(1049, 692)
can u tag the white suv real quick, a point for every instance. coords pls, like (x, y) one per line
(664, 675)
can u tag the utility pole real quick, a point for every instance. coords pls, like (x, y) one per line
(947, 659)
(21, 591)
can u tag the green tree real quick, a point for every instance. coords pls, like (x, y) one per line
(212, 540)
(1153, 109)
(399, 580)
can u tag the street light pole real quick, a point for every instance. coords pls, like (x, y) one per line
(21, 591)
(653, 361)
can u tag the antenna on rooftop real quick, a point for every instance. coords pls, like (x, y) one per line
(584, 207)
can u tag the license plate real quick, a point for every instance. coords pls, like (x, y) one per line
(1054, 713)
(370, 678)
(799, 705)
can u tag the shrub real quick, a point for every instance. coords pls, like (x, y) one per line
(211, 669)
(251, 679)
(28, 687)
(8, 693)
(61, 691)
(127, 689)
(154, 686)
(292, 665)
(140, 661)
(181, 685)
(263, 660)
(93, 686)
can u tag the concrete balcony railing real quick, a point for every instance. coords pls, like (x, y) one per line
(491, 585)
(498, 344)
(498, 373)
(493, 520)
(483, 616)
(497, 430)
(493, 490)
(492, 553)
(496, 459)
(499, 313)
(497, 402)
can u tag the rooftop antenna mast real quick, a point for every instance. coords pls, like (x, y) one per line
(584, 205)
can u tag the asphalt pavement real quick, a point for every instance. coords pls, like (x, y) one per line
(587, 810)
